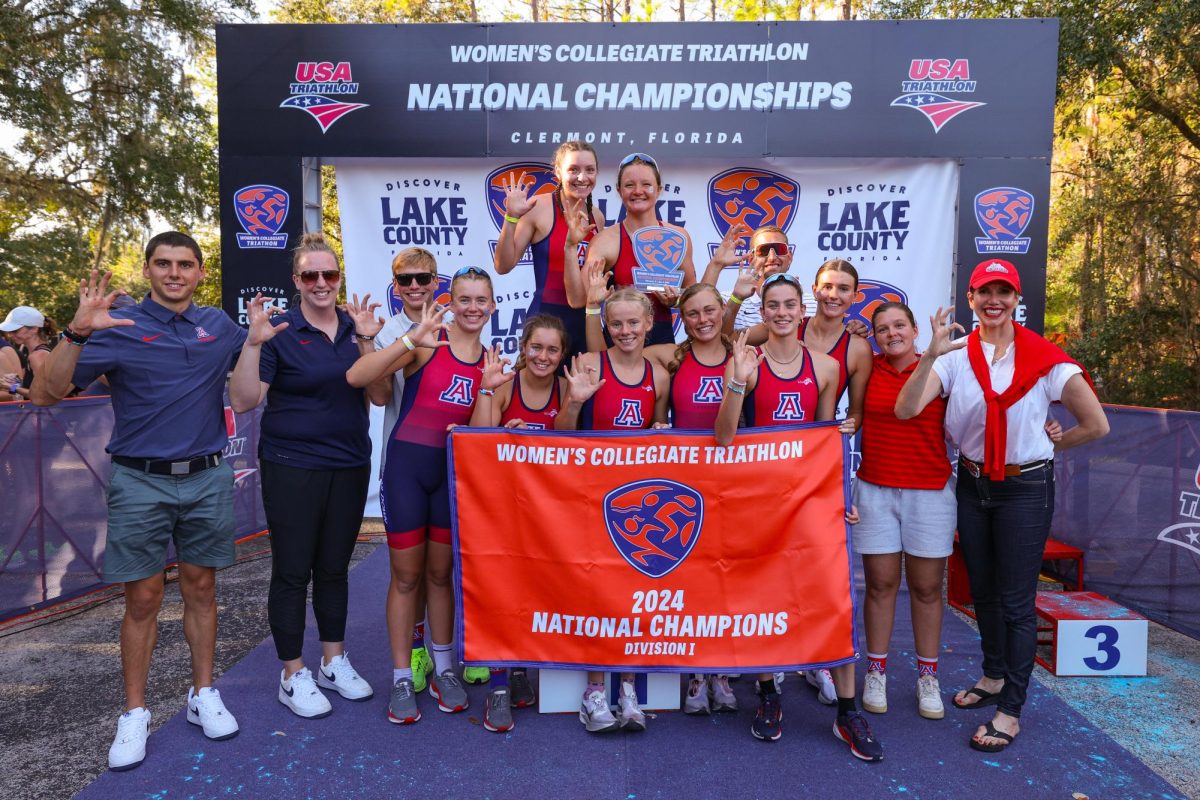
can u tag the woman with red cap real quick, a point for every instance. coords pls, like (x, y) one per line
(999, 383)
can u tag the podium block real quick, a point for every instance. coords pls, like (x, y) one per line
(1090, 635)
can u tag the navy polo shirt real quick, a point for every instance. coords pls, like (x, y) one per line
(167, 375)
(314, 419)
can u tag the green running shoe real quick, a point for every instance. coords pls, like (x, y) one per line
(422, 668)
(477, 675)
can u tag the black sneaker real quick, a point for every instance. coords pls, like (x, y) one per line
(767, 722)
(853, 729)
(522, 689)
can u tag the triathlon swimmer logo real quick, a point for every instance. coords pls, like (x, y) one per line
(261, 210)
(315, 80)
(1003, 214)
(929, 79)
(654, 524)
(441, 295)
(873, 293)
(538, 176)
(752, 197)
(1186, 534)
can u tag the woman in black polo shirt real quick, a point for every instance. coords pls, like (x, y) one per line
(314, 453)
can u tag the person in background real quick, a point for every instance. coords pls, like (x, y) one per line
(37, 334)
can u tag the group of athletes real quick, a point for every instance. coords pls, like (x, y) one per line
(317, 365)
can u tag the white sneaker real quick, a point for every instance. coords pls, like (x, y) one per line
(632, 717)
(206, 710)
(874, 697)
(696, 701)
(929, 697)
(595, 714)
(822, 679)
(300, 694)
(340, 676)
(129, 747)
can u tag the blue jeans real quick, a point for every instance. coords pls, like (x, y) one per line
(1002, 530)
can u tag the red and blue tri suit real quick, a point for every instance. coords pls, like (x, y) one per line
(534, 418)
(840, 353)
(783, 401)
(618, 406)
(550, 292)
(414, 494)
(696, 392)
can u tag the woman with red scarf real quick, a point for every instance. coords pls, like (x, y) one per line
(999, 387)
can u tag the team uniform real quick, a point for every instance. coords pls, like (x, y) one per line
(550, 296)
(619, 406)
(626, 262)
(414, 493)
(783, 401)
(696, 392)
(534, 418)
(840, 352)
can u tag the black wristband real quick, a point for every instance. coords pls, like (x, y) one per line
(362, 338)
(73, 337)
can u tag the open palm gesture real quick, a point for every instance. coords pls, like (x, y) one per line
(584, 380)
(516, 195)
(366, 323)
(494, 375)
(95, 303)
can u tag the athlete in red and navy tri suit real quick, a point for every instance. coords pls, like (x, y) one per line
(840, 352)
(775, 400)
(622, 272)
(534, 418)
(618, 405)
(548, 259)
(696, 392)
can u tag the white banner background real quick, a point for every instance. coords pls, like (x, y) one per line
(894, 219)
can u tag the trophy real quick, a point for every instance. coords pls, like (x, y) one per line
(660, 253)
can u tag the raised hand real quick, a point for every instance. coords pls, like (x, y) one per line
(259, 316)
(726, 253)
(425, 334)
(746, 358)
(943, 327)
(747, 283)
(578, 227)
(366, 323)
(583, 380)
(494, 375)
(598, 289)
(516, 195)
(95, 302)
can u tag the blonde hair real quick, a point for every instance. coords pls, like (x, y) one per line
(685, 347)
(629, 295)
(415, 257)
(312, 243)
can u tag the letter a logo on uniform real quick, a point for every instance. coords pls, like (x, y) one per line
(709, 390)
(789, 409)
(654, 524)
(460, 391)
(631, 414)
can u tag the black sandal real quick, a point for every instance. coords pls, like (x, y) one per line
(990, 730)
(986, 698)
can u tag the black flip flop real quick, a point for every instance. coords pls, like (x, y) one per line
(986, 698)
(990, 730)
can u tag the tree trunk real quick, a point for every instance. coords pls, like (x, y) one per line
(533, 9)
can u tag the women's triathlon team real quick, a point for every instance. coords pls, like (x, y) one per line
(988, 393)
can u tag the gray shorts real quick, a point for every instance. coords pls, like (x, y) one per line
(919, 522)
(146, 512)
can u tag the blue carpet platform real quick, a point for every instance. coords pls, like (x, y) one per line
(356, 752)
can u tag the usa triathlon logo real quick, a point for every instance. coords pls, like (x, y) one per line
(1186, 534)
(441, 295)
(871, 295)
(1003, 214)
(751, 197)
(929, 81)
(538, 176)
(315, 80)
(654, 524)
(261, 210)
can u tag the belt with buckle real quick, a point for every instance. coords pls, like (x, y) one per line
(1010, 470)
(154, 466)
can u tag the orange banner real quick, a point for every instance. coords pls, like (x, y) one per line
(656, 551)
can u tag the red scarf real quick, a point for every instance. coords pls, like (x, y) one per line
(1035, 357)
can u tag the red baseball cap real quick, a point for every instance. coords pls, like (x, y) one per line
(995, 269)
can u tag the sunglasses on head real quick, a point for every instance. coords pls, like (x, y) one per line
(407, 278)
(629, 159)
(471, 271)
(331, 276)
(782, 276)
(778, 248)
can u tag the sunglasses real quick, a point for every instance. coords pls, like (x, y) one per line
(331, 276)
(781, 276)
(407, 278)
(472, 271)
(778, 248)
(629, 159)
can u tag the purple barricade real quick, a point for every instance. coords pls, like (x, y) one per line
(1131, 502)
(53, 476)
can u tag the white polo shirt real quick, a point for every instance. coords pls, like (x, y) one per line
(966, 411)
